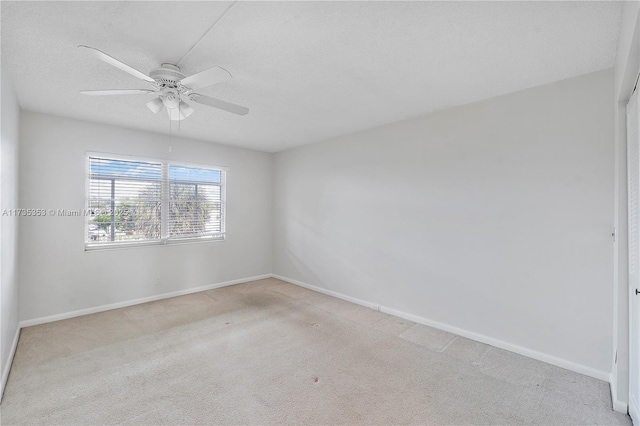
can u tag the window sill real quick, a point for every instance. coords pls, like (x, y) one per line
(166, 242)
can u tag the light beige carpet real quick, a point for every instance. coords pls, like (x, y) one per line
(268, 352)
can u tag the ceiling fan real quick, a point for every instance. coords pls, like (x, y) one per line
(171, 86)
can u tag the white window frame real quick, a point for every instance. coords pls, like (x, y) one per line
(165, 185)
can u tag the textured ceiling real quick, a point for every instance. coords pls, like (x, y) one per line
(308, 71)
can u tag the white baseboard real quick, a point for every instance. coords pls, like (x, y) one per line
(540, 356)
(634, 411)
(7, 367)
(102, 308)
(549, 359)
(619, 406)
(328, 292)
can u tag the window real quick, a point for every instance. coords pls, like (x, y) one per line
(133, 202)
(195, 202)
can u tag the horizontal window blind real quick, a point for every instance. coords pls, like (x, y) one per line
(125, 201)
(144, 202)
(195, 202)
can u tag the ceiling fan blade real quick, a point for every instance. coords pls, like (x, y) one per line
(116, 63)
(115, 92)
(206, 78)
(220, 104)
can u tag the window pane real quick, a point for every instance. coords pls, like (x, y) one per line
(195, 202)
(124, 201)
(194, 174)
(106, 168)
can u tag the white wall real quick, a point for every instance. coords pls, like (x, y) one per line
(9, 124)
(627, 66)
(495, 218)
(56, 274)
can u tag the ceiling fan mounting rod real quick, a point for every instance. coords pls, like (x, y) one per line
(215, 24)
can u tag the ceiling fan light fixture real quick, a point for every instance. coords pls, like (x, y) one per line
(185, 109)
(155, 105)
(175, 114)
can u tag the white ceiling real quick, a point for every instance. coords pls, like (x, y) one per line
(308, 71)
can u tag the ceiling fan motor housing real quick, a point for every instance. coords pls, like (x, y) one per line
(167, 75)
(167, 79)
